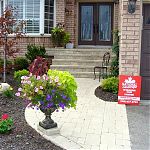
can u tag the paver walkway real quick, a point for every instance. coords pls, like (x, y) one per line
(94, 125)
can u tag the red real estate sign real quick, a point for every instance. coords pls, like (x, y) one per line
(129, 90)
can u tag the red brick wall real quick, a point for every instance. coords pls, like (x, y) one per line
(23, 42)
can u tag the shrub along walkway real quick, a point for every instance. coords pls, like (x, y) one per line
(94, 125)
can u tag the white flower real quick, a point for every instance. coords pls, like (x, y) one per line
(56, 79)
(36, 90)
(23, 77)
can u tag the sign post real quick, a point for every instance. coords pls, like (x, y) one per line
(129, 90)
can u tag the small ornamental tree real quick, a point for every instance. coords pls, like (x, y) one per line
(115, 61)
(10, 32)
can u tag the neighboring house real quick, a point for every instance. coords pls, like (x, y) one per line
(90, 23)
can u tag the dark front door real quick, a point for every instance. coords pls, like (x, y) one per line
(145, 54)
(95, 23)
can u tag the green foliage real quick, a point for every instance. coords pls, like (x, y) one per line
(110, 84)
(33, 51)
(9, 93)
(19, 74)
(21, 63)
(66, 38)
(115, 61)
(59, 37)
(6, 125)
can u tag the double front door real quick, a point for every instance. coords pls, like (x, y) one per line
(95, 23)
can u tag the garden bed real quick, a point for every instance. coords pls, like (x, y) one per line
(106, 96)
(22, 137)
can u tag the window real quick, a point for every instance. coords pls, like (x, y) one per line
(38, 14)
(49, 16)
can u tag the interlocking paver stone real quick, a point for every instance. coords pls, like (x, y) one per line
(94, 125)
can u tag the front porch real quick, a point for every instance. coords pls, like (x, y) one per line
(79, 62)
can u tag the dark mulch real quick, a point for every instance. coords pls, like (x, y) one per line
(106, 96)
(22, 137)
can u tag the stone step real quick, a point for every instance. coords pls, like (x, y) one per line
(76, 62)
(79, 62)
(72, 68)
(78, 56)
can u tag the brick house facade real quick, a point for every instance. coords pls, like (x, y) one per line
(131, 27)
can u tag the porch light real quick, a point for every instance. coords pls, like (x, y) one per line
(131, 6)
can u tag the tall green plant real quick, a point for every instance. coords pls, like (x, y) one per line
(33, 51)
(115, 50)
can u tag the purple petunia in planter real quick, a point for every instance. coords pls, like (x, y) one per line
(54, 90)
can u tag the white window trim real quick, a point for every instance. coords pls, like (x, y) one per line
(41, 34)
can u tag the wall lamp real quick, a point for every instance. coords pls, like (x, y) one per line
(131, 6)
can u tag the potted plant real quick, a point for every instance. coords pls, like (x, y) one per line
(49, 92)
(59, 36)
(68, 43)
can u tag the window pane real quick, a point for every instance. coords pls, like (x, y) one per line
(28, 10)
(105, 22)
(87, 23)
(49, 16)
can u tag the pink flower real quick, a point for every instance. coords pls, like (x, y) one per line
(19, 89)
(30, 74)
(29, 82)
(41, 87)
(24, 94)
(38, 77)
(5, 116)
(17, 94)
(36, 90)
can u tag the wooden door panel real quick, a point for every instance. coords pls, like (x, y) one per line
(145, 88)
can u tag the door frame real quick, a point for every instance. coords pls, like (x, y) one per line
(95, 20)
(144, 28)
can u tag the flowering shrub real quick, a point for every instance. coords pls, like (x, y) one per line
(6, 124)
(56, 89)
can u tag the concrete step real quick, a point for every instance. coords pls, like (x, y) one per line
(84, 74)
(54, 51)
(73, 68)
(76, 62)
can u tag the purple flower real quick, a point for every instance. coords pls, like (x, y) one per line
(41, 102)
(68, 99)
(64, 96)
(62, 105)
(49, 105)
(48, 97)
(53, 91)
